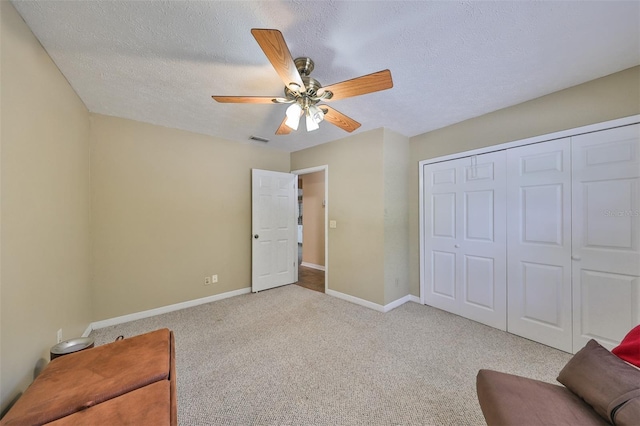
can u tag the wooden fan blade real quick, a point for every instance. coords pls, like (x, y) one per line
(339, 119)
(275, 48)
(245, 99)
(283, 129)
(369, 83)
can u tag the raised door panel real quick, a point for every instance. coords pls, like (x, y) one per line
(543, 295)
(479, 282)
(606, 234)
(479, 215)
(539, 242)
(443, 215)
(542, 210)
(608, 220)
(602, 316)
(443, 270)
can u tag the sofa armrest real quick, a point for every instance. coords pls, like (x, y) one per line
(506, 399)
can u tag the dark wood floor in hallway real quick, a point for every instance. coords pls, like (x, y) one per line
(311, 278)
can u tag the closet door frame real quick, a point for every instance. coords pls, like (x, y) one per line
(621, 122)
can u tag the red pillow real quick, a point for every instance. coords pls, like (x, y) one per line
(629, 348)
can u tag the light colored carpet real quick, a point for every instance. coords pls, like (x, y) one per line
(292, 356)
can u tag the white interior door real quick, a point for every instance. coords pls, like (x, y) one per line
(274, 246)
(539, 243)
(606, 235)
(465, 237)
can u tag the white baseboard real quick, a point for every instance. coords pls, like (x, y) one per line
(414, 299)
(190, 303)
(371, 305)
(164, 309)
(396, 303)
(355, 300)
(88, 331)
(313, 266)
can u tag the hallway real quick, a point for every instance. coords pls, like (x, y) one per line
(311, 278)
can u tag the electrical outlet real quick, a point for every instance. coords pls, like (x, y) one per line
(59, 336)
(214, 278)
(207, 280)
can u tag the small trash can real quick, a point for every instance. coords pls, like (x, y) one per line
(70, 346)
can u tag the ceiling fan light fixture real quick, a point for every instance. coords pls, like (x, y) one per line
(311, 124)
(316, 114)
(293, 116)
(314, 117)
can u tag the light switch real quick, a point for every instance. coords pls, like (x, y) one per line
(333, 224)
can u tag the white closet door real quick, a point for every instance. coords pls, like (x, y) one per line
(465, 241)
(441, 186)
(606, 235)
(539, 243)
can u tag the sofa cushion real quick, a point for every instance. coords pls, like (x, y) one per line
(506, 399)
(80, 380)
(600, 378)
(148, 405)
(629, 348)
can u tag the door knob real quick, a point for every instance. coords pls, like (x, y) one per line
(575, 258)
(457, 246)
(256, 236)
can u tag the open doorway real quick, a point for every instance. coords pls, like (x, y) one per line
(312, 214)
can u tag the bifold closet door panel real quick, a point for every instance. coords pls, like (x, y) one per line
(482, 240)
(539, 243)
(606, 235)
(441, 187)
(465, 237)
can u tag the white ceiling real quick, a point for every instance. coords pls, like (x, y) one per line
(160, 61)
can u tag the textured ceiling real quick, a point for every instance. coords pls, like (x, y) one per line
(160, 62)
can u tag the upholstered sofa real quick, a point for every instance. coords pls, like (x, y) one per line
(599, 389)
(131, 381)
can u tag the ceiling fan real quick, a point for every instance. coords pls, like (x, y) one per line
(304, 93)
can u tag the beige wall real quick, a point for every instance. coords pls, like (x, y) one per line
(45, 186)
(368, 198)
(396, 215)
(607, 98)
(356, 202)
(313, 218)
(149, 211)
(169, 207)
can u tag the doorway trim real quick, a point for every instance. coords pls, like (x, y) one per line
(306, 171)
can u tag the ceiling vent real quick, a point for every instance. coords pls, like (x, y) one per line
(259, 139)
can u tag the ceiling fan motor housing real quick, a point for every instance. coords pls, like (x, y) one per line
(304, 65)
(312, 86)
